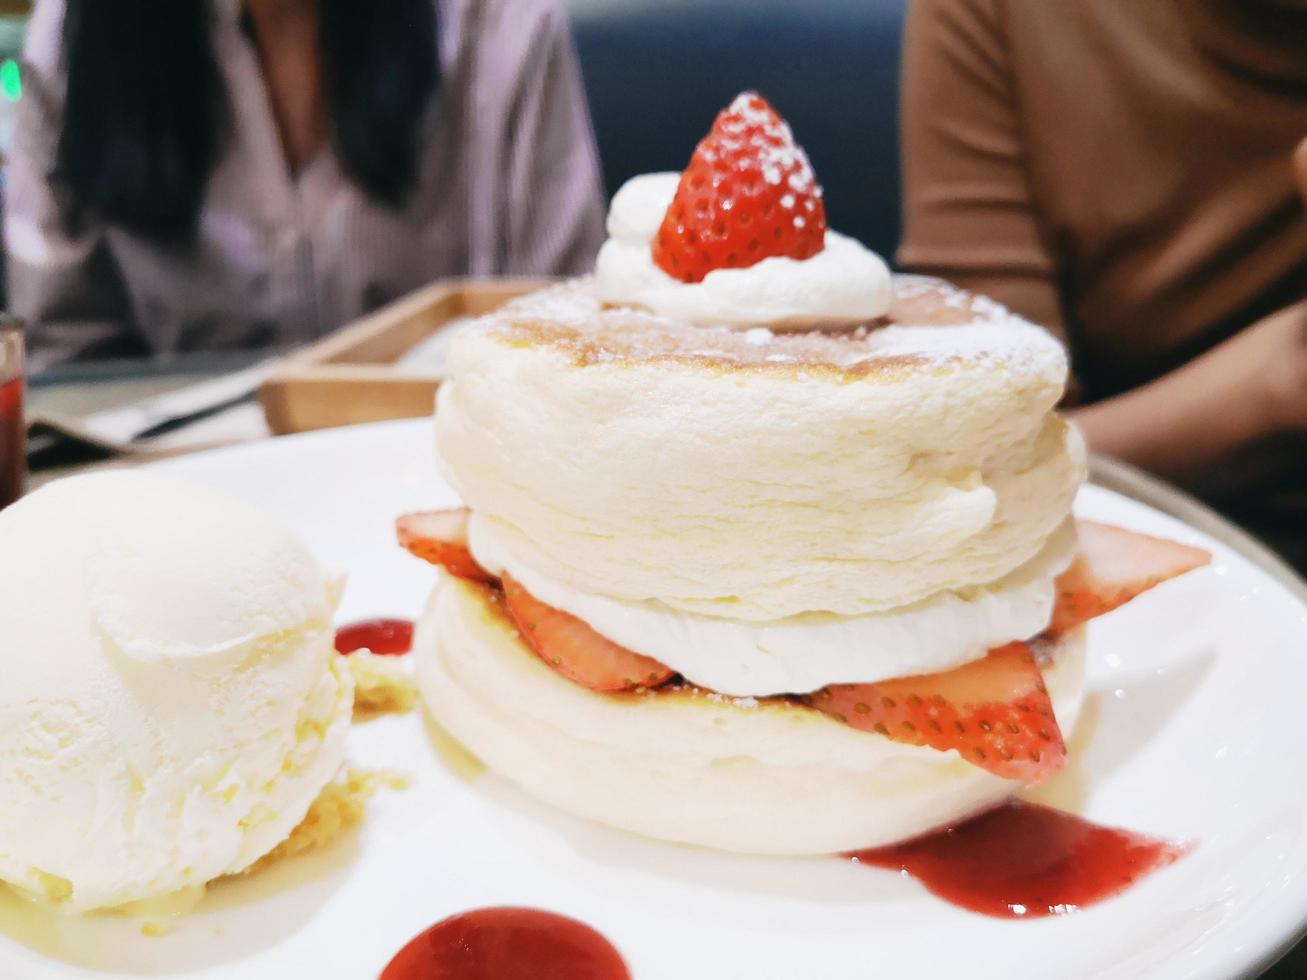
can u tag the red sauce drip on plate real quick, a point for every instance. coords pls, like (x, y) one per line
(381, 636)
(1023, 861)
(503, 943)
(13, 441)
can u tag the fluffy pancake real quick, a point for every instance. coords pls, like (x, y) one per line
(754, 475)
(767, 777)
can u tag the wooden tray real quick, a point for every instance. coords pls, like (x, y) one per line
(349, 377)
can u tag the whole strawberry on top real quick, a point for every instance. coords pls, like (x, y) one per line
(749, 193)
(738, 239)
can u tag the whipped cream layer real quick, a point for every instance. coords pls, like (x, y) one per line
(806, 652)
(844, 282)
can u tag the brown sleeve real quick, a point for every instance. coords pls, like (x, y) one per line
(968, 211)
(1300, 166)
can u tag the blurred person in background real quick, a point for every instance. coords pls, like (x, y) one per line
(1123, 172)
(217, 174)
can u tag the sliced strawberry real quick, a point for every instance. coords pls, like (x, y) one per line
(747, 194)
(995, 711)
(575, 650)
(1112, 567)
(440, 537)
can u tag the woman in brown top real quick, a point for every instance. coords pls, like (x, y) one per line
(1123, 172)
(202, 174)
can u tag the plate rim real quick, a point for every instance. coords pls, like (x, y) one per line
(1104, 472)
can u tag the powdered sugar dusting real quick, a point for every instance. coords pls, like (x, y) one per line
(931, 326)
(746, 702)
(749, 122)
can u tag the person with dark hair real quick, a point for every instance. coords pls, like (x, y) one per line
(216, 174)
(1132, 175)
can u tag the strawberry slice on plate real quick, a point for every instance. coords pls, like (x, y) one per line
(995, 711)
(440, 537)
(575, 650)
(1113, 566)
(747, 194)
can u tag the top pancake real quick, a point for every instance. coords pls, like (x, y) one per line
(919, 334)
(758, 475)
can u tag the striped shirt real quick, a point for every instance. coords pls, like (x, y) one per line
(508, 184)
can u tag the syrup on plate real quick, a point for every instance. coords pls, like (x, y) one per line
(498, 943)
(1023, 861)
(381, 636)
(13, 441)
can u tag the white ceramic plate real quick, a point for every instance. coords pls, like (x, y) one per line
(1193, 729)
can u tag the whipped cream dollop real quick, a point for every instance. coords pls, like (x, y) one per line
(803, 653)
(844, 282)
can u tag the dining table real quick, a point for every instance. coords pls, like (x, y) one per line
(64, 404)
(62, 399)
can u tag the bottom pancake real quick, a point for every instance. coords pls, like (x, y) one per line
(758, 776)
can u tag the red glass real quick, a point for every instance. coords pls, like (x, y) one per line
(13, 434)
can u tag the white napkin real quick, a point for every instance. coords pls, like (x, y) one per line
(208, 413)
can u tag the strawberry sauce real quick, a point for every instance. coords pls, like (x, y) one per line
(1024, 861)
(381, 636)
(13, 441)
(497, 943)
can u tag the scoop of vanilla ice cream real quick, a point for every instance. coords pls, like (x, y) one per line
(845, 281)
(171, 702)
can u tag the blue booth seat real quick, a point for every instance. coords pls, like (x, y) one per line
(657, 71)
